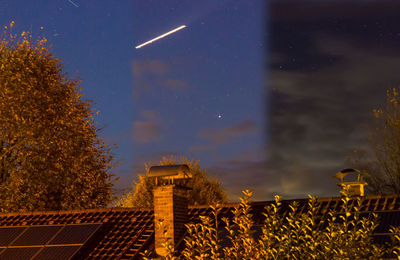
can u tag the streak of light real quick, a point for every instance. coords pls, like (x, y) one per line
(73, 3)
(161, 36)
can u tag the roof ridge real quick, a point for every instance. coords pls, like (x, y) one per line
(58, 212)
(117, 209)
(379, 196)
(235, 204)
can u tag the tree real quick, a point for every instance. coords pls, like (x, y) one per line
(381, 159)
(51, 156)
(205, 189)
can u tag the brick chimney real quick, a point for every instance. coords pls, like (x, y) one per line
(170, 204)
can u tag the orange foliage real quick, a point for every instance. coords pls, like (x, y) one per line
(50, 154)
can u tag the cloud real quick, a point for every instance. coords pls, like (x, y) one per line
(312, 10)
(148, 130)
(175, 84)
(151, 67)
(246, 169)
(238, 175)
(230, 133)
(318, 117)
(149, 75)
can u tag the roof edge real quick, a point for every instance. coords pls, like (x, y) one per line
(76, 211)
(117, 209)
(235, 204)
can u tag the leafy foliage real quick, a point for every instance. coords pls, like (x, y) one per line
(292, 234)
(51, 157)
(202, 240)
(205, 191)
(382, 158)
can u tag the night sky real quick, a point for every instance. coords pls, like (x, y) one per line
(196, 93)
(271, 98)
(329, 64)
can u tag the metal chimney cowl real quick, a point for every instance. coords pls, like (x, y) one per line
(355, 187)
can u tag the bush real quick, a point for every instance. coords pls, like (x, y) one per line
(290, 234)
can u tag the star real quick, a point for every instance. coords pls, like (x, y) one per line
(219, 116)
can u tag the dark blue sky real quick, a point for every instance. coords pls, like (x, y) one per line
(200, 92)
(196, 93)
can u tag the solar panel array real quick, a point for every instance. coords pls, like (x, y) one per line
(124, 234)
(8, 234)
(57, 252)
(44, 242)
(29, 237)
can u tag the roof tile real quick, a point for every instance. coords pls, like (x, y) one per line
(125, 232)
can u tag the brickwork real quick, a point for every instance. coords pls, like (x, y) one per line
(170, 215)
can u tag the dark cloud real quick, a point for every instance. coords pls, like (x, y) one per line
(318, 119)
(325, 78)
(230, 133)
(148, 130)
(364, 24)
(317, 10)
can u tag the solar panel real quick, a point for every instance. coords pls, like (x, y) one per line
(75, 234)
(19, 253)
(57, 252)
(38, 235)
(8, 234)
(44, 242)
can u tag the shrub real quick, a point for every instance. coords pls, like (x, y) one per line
(296, 233)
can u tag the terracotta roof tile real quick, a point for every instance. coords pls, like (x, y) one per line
(125, 232)
(121, 233)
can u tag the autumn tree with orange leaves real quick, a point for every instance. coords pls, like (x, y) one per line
(206, 190)
(51, 156)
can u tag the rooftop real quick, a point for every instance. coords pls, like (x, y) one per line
(122, 233)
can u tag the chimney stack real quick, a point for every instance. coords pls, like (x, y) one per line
(351, 188)
(170, 204)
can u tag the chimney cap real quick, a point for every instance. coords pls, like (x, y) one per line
(360, 174)
(175, 171)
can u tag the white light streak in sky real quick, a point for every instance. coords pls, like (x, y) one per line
(73, 3)
(161, 36)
